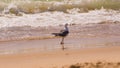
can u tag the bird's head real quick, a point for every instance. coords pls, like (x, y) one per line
(66, 24)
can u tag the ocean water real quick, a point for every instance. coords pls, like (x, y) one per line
(57, 12)
(44, 13)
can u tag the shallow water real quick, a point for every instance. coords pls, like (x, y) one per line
(87, 36)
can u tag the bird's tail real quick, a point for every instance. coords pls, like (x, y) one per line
(56, 34)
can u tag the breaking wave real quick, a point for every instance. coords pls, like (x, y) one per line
(37, 6)
(59, 18)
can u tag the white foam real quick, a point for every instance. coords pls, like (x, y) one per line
(58, 18)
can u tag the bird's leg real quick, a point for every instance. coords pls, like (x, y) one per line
(62, 42)
(62, 46)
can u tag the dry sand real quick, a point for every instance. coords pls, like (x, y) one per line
(81, 48)
(59, 58)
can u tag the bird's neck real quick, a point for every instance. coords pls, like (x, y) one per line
(66, 28)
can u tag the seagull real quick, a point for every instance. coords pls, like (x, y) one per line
(63, 33)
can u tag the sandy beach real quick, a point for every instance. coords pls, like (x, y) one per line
(28, 30)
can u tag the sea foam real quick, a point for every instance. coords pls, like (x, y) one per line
(59, 18)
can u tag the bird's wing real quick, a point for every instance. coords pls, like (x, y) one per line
(61, 31)
(56, 34)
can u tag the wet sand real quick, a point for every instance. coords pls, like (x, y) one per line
(89, 43)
